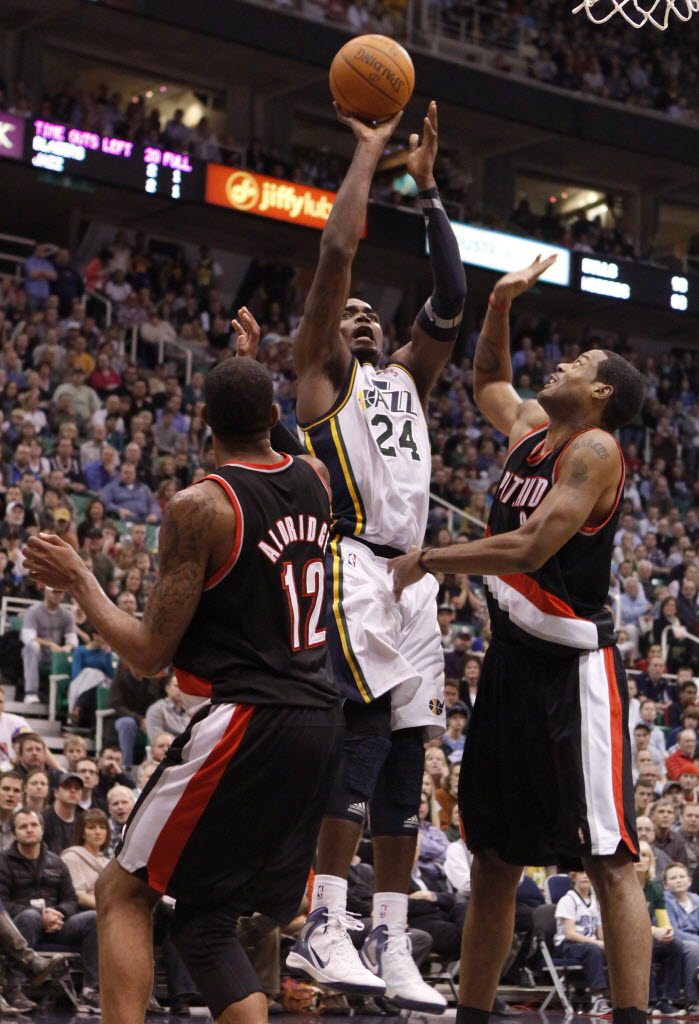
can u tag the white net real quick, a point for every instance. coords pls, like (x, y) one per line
(639, 12)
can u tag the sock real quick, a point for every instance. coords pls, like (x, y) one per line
(471, 1015)
(390, 908)
(628, 1015)
(329, 891)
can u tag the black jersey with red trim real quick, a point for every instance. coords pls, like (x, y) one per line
(560, 607)
(258, 634)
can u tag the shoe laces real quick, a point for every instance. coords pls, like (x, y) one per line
(399, 943)
(345, 921)
(337, 929)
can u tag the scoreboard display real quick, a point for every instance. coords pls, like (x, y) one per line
(639, 283)
(104, 158)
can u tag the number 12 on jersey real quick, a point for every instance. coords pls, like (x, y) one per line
(306, 630)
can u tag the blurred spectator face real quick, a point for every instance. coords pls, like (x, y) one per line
(648, 712)
(128, 474)
(127, 602)
(38, 786)
(451, 694)
(632, 688)
(160, 746)
(74, 751)
(641, 737)
(119, 805)
(10, 794)
(145, 770)
(472, 671)
(688, 693)
(28, 828)
(643, 797)
(690, 819)
(88, 773)
(687, 742)
(645, 829)
(656, 669)
(33, 755)
(110, 762)
(70, 793)
(663, 815)
(138, 535)
(677, 880)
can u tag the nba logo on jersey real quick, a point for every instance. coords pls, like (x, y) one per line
(352, 559)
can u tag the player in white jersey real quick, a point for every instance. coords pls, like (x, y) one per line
(368, 425)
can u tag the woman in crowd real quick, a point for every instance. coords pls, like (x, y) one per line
(683, 910)
(94, 519)
(436, 767)
(89, 857)
(35, 790)
(666, 981)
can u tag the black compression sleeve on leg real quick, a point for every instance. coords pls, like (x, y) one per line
(441, 315)
(628, 1015)
(282, 440)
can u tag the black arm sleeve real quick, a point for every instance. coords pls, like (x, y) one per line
(282, 440)
(441, 315)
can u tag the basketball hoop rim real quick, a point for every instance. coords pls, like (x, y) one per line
(657, 13)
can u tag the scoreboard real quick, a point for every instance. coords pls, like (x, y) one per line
(148, 168)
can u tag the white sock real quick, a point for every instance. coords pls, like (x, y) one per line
(390, 908)
(329, 891)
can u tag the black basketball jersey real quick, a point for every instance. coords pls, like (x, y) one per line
(258, 634)
(562, 605)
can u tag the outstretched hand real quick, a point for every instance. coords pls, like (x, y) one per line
(247, 332)
(519, 281)
(423, 154)
(376, 133)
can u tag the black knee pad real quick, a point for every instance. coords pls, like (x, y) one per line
(366, 746)
(205, 939)
(396, 800)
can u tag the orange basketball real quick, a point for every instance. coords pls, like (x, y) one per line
(372, 77)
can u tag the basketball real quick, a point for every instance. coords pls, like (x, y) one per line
(372, 77)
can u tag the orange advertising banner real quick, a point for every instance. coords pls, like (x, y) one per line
(276, 198)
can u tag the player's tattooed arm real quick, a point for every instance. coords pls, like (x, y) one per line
(582, 497)
(191, 526)
(493, 389)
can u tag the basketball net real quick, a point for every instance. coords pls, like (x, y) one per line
(638, 12)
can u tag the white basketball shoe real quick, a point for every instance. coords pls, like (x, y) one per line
(324, 952)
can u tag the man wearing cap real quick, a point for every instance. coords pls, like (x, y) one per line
(62, 523)
(48, 627)
(445, 619)
(682, 757)
(10, 725)
(453, 739)
(641, 742)
(84, 399)
(61, 817)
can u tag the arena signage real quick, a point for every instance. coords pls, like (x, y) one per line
(263, 196)
(641, 283)
(495, 250)
(11, 136)
(64, 150)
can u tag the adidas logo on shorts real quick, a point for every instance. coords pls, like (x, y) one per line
(411, 822)
(358, 808)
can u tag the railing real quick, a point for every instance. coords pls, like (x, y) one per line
(162, 345)
(453, 512)
(105, 303)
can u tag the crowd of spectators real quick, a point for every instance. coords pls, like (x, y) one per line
(94, 445)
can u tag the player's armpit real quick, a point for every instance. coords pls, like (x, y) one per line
(425, 358)
(583, 495)
(530, 416)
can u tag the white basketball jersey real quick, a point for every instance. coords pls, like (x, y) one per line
(375, 444)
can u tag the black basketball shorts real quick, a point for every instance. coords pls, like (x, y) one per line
(233, 812)
(546, 772)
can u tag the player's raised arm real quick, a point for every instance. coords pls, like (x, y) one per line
(493, 392)
(584, 493)
(437, 324)
(321, 358)
(191, 527)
